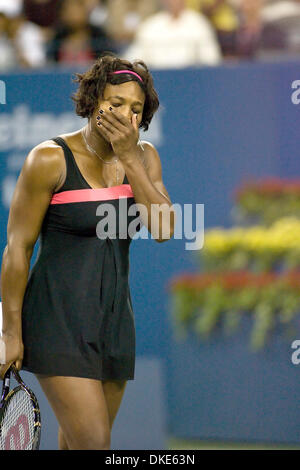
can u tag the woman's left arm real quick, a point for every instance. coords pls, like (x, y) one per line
(153, 202)
(155, 207)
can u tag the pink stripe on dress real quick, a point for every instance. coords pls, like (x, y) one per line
(86, 195)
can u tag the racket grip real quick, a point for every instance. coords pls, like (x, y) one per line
(3, 369)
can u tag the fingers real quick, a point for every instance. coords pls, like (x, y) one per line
(106, 130)
(121, 132)
(5, 357)
(18, 364)
(118, 117)
(126, 125)
(110, 118)
(4, 367)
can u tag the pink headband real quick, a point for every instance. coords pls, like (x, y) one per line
(129, 71)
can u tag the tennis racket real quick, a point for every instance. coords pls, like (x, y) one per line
(20, 420)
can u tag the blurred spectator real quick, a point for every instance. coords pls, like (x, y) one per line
(124, 17)
(76, 40)
(91, 4)
(280, 29)
(41, 12)
(98, 11)
(250, 28)
(175, 37)
(8, 57)
(22, 41)
(224, 18)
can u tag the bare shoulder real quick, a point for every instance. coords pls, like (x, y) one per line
(45, 163)
(154, 168)
(148, 146)
(150, 154)
(46, 152)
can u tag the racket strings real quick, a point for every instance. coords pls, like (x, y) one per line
(18, 423)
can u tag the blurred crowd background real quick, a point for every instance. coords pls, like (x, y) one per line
(164, 33)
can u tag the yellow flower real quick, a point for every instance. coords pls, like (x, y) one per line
(282, 236)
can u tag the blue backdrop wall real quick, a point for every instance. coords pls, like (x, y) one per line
(216, 128)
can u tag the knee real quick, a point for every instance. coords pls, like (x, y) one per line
(90, 440)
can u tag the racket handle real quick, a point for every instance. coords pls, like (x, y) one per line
(3, 369)
(17, 375)
(5, 386)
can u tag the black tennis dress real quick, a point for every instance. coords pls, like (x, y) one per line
(77, 315)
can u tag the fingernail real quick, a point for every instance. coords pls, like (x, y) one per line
(110, 108)
(101, 111)
(98, 117)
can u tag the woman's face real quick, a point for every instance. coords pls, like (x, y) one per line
(127, 98)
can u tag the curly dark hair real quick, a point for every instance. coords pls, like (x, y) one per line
(92, 84)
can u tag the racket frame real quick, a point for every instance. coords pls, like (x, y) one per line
(7, 395)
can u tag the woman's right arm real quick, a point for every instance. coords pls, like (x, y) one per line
(40, 176)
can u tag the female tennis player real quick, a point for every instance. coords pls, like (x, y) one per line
(70, 320)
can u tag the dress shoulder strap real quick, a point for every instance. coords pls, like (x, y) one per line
(73, 179)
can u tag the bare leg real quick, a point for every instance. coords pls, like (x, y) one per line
(113, 391)
(81, 410)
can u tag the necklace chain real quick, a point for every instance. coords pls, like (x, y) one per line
(107, 163)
